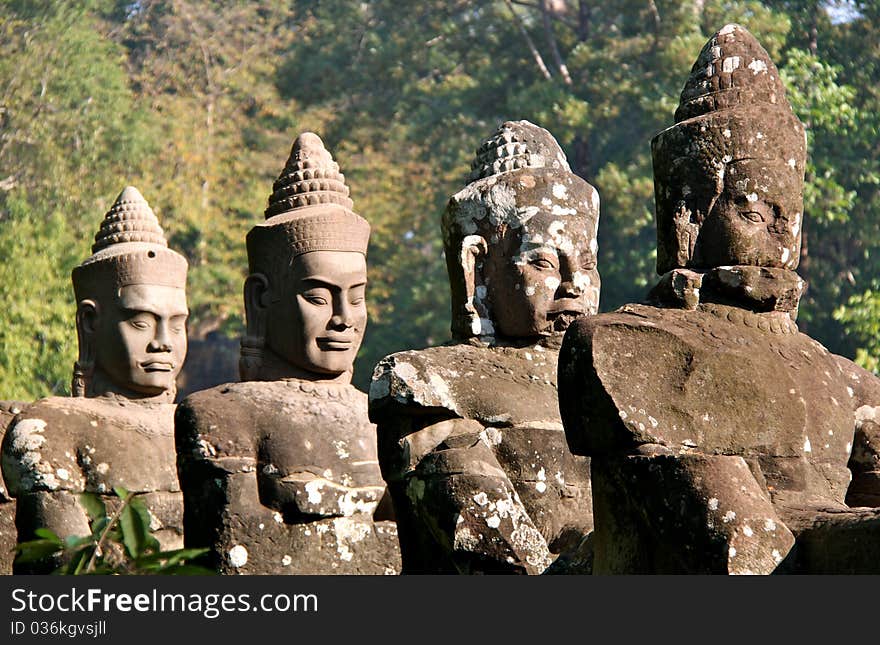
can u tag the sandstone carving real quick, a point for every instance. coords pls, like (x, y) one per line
(8, 410)
(117, 429)
(470, 439)
(279, 472)
(722, 439)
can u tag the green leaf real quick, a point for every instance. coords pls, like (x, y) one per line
(48, 534)
(135, 531)
(94, 506)
(36, 550)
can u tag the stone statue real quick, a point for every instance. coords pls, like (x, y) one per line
(8, 410)
(117, 429)
(279, 472)
(722, 439)
(470, 440)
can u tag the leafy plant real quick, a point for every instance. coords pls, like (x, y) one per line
(120, 542)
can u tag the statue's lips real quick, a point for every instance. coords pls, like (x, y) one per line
(561, 318)
(334, 344)
(157, 366)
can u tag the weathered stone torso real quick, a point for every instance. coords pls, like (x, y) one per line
(59, 447)
(282, 477)
(476, 459)
(664, 399)
(724, 380)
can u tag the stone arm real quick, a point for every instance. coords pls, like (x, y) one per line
(660, 505)
(216, 468)
(457, 511)
(864, 490)
(45, 491)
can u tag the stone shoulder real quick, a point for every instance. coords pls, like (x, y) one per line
(227, 421)
(469, 381)
(52, 443)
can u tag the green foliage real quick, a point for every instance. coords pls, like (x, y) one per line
(120, 542)
(197, 103)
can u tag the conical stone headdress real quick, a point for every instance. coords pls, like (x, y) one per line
(733, 107)
(309, 210)
(130, 248)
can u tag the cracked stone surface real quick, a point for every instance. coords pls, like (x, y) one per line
(282, 477)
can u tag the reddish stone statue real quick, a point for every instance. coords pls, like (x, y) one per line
(279, 472)
(117, 429)
(722, 439)
(470, 439)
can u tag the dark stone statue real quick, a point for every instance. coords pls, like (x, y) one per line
(117, 429)
(722, 439)
(279, 472)
(470, 439)
(8, 410)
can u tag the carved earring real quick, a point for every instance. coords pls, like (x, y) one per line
(473, 247)
(84, 367)
(250, 362)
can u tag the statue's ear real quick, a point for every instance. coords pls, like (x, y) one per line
(473, 249)
(256, 309)
(466, 310)
(87, 319)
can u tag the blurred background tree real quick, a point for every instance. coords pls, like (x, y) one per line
(197, 104)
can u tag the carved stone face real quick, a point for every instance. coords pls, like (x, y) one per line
(316, 320)
(541, 275)
(756, 220)
(140, 340)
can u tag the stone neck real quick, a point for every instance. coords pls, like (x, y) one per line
(100, 385)
(275, 368)
(755, 289)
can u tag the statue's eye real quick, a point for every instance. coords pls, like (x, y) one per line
(753, 216)
(543, 263)
(316, 300)
(139, 324)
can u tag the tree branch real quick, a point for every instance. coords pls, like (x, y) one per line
(551, 41)
(535, 53)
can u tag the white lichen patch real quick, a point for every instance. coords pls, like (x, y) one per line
(278, 517)
(493, 521)
(341, 449)
(730, 63)
(807, 446)
(237, 556)
(729, 516)
(747, 530)
(560, 191)
(552, 282)
(286, 560)
(757, 66)
(491, 436)
(769, 525)
(28, 435)
(313, 489)
(63, 474)
(713, 503)
(481, 498)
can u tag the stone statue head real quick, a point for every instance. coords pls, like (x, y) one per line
(131, 307)
(304, 297)
(520, 239)
(729, 175)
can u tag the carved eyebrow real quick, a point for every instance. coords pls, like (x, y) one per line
(146, 309)
(320, 281)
